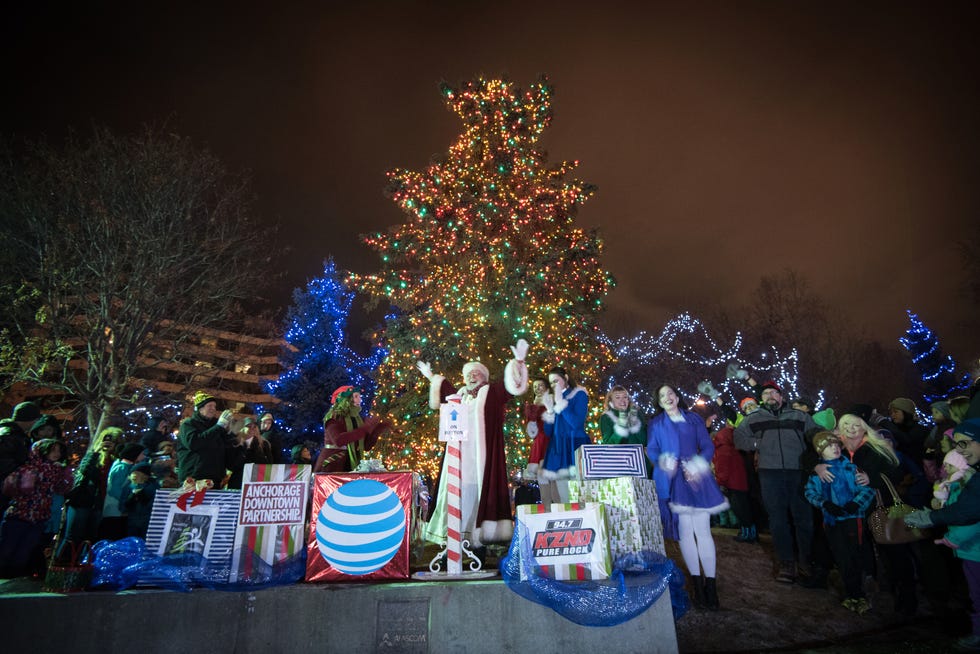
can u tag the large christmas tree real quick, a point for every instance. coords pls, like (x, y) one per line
(318, 357)
(489, 254)
(940, 380)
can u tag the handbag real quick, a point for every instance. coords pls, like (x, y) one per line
(887, 523)
(69, 573)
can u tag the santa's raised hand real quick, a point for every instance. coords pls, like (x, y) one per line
(520, 350)
(424, 368)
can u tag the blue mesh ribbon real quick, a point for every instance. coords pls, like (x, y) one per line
(636, 583)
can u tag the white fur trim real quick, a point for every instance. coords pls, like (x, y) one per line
(435, 385)
(681, 508)
(696, 467)
(667, 463)
(496, 531)
(515, 377)
(548, 417)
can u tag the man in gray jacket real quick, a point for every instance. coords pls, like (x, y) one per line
(779, 434)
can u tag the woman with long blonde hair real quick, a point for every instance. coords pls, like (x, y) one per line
(874, 456)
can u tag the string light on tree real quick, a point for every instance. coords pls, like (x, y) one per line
(318, 358)
(489, 254)
(938, 371)
(685, 349)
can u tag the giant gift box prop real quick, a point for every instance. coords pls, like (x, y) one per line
(201, 522)
(610, 461)
(631, 511)
(271, 523)
(568, 543)
(362, 526)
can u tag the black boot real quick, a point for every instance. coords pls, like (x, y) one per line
(698, 583)
(711, 594)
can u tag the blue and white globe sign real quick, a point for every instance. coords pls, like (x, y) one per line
(360, 527)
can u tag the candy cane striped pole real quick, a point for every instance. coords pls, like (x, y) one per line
(454, 546)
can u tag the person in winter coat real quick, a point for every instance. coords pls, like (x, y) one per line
(623, 422)
(87, 494)
(253, 449)
(534, 426)
(41, 477)
(732, 478)
(202, 440)
(679, 445)
(143, 487)
(875, 457)
(564, 424)
(15, 444)
(844, 502)
(346, 435)
(961, 515)
(113, 525)
(778, 433)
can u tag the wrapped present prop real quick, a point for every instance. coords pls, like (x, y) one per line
(632, 512)
(362, 526)
(609, 461)
(270, 539)
(196, 522)
(565, 543)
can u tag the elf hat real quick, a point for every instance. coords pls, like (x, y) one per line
(343, 391)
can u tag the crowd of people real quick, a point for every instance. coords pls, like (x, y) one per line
(812, 479)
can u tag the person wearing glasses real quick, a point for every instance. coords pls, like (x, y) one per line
(961, 515)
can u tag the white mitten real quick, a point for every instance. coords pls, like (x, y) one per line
(424, 368)
(560, 403)
(532, 429)
(520, 350)
(548, 401)
(667, 463)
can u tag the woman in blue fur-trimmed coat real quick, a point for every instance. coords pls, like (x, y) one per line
(680, 448)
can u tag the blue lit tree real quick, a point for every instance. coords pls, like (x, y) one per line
(318, 357)
(940, 380)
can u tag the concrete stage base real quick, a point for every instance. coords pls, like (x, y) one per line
(469, 617)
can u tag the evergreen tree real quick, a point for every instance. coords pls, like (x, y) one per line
(939, 378)
(489, 254)
(318, 357)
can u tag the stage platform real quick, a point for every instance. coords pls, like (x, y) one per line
(458, 617)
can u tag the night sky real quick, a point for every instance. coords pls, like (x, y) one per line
(727, 139)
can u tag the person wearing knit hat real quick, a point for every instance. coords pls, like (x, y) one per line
(910, 436)
(485, 505)
(254, 449)
(113, 525)
(843, 502)
(269, 431)
(15, 444)
(779, 434)
(300, 454)
(347, 435)
(143, 488)
(961, 517)
(36, 482)
(202, 440)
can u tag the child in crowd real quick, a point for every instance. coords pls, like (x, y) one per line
(956, 472)
(143, 488)
(842, 501)
(732, 477)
